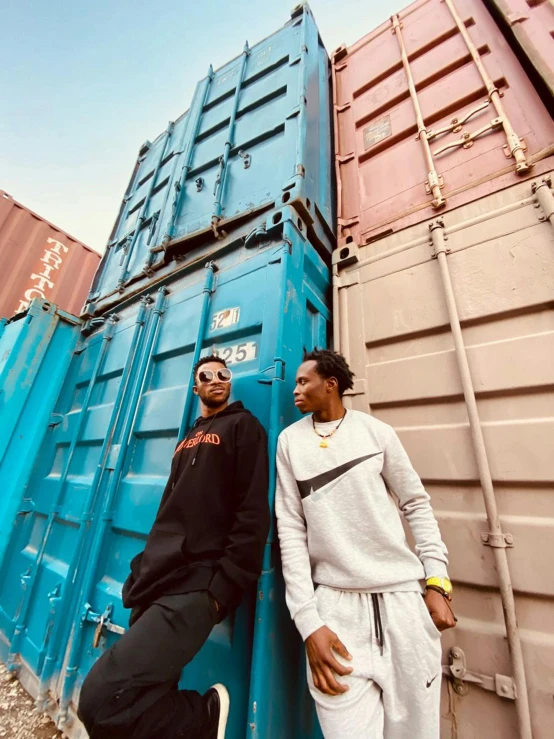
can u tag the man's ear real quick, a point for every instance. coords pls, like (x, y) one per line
(195, 389)
(332, 384)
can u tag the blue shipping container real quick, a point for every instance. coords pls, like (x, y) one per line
(35, 352)
(256, 136)
(96, 484)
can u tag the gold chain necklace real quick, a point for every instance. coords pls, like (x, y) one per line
(324, 443)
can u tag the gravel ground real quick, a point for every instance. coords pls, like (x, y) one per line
(18, 719)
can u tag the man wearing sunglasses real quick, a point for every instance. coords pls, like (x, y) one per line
(204, 550)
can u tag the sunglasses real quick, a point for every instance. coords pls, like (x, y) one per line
(222, 374)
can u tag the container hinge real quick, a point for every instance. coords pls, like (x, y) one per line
(498, 541)
(503, 685)
(514, 18)
(343, 107)
(277, 370)
(153, 222)
(340, 67)
(347, 222)
(27, 506)
(545, 198)
(55, 420)
(339, 53)
(345, 158)
(359, 388)
(247, 158)
(113, 454)
(347, 279)
(103, 621)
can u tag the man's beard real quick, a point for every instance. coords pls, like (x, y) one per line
(215, 402)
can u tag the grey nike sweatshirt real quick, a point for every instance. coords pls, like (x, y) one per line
(337, 519)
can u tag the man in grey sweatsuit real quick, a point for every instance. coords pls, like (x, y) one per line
(350, 576)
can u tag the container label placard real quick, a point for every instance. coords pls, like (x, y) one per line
(238, 353)
(225, 318)
(376, 132)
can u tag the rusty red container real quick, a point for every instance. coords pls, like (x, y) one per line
(432, 111)
(39, 260)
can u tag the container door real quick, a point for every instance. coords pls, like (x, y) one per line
(256, 136)
(280, 704)
(237, 317)
(395, 329)
(52, 533)
(432, 110)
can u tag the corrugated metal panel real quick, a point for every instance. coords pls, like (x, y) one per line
(38, 260)
(97, 482)
(35, 352)
(396, 165)
(530, 25)
(256, 136)
(391, 312)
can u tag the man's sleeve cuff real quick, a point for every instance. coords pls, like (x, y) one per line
(308, 620)
(223, 590)
(435, 568)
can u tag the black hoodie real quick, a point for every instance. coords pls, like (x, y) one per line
(213, 520)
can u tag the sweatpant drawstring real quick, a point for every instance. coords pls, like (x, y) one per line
(379, 634)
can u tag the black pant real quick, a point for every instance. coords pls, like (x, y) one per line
(132, 690)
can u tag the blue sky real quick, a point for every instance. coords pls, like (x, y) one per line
(85, 82)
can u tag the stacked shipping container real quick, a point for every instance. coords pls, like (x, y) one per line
(223, 244)
(442, 297)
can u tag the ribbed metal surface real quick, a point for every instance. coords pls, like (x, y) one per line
(432, 111)
(94, 484)
(39, 260)
(255, 137)
(395, 328)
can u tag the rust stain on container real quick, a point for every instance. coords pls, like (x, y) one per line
(38, 260)
(432, 111)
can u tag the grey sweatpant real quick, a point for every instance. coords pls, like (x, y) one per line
(394, 687)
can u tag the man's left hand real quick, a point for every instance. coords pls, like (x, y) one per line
(440, 610)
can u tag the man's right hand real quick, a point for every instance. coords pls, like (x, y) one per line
(324, 665)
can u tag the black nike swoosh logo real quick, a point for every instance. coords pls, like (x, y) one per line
(306, 487)
(430, 682)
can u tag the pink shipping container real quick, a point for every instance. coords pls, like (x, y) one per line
(444, 311)
(530, 24)
(38, 260)
(432, 111)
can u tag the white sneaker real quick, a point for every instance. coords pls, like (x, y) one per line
(218, 702)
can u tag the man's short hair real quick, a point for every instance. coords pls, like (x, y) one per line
(332, 364)
(205, 360)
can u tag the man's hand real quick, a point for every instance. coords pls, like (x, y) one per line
(323, 663)
(440, 610)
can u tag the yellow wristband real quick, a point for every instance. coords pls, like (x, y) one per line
(441, 582)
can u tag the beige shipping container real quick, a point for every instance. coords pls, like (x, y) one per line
(449, 328)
